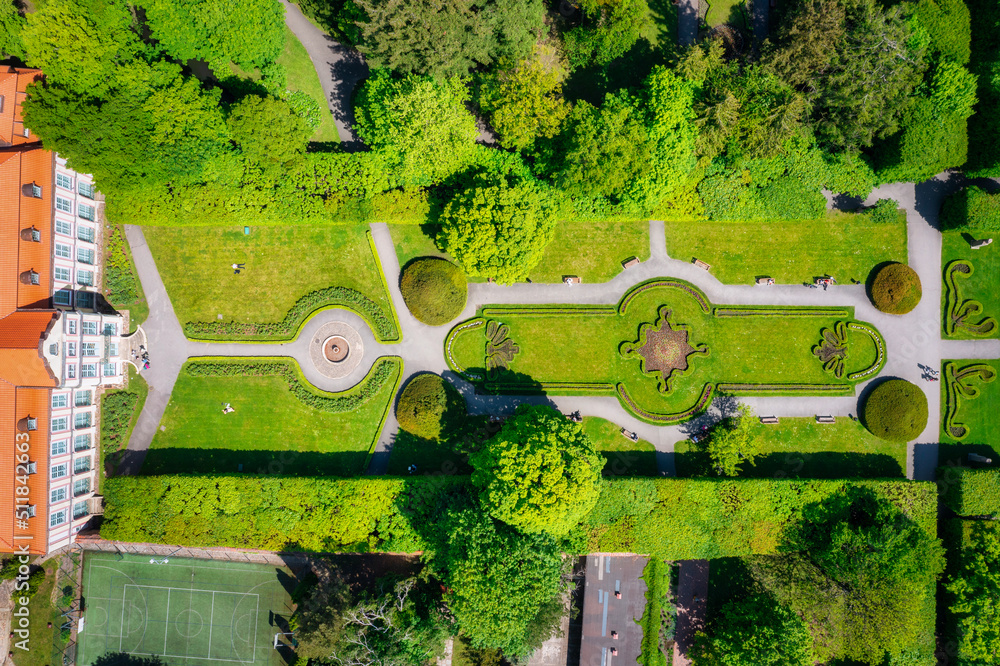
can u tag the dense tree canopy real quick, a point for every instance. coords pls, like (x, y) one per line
(609, 30)
(318, 617)
(11, 25)
(540, 473)
(975, 589)
(267, 130)
(755, 631)
(736, 440)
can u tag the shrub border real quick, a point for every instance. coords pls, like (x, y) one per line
(389, 405)
(779, 311)
(956, 390)
(958, 309)
(385, 288)
(449, 340)
(879, 341)
(665, 419)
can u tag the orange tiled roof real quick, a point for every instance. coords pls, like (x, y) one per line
(16, 405)
(19, 257)
(14, 81)
(21, 361)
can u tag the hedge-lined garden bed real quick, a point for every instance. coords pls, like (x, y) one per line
(970, 492)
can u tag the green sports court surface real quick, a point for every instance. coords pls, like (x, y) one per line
(184, 611)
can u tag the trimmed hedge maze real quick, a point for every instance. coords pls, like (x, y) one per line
(594, 350)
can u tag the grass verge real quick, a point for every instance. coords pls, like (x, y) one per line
(622, 456)
(659, 619)
(120, 410)
(122, 287)
(302, 77)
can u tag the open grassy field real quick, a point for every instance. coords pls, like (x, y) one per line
(726, 11)
(183, 611)
(624, 457)
(980, 286)
(801, 448)
(845, 246)
(302, 77)
(271, 431)
(592, 251)
(41, 611)
(282, 265)
(978, 414)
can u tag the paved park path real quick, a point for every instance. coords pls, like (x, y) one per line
(910, 339)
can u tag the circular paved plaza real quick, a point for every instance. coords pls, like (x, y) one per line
(336, 349)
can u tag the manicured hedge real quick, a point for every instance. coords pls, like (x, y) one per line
(970, 492)
(972, 209)
(896, 411)
(668, 518)
(434, 290)
(427, 403)
(896, 289)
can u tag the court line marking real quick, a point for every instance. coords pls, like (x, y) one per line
(166, 625)
(211, 623)
(187, 657)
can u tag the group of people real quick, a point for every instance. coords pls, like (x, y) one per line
(929, 373)
(143, 356)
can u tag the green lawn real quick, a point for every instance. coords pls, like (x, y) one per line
(802, 448)
(624, 457)
(302, 76)
(271, 431)
(726, 11)
(282, 265)
(981, 286)
(592, 251)
(979, 415)
(843, 245)
(41, 612)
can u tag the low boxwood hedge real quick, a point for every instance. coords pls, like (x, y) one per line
(895, 289)
(895, 410)
(427, 404)
(970, 492)
(434, 290)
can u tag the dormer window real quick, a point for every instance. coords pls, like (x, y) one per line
(31, 235)
(30, 277)
(31, 510)
(32, 190)
(26, 133)
(28, 424)
(32, 468)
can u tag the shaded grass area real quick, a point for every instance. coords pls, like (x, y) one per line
(282, 265)
(727, 11)
(271, 431)
(120, 281)
(447, 454)
(845, 246)
(622, 456)
(120, 410)
(593, 251)
(981, 286)
(979, 415)
(801, 448)
(302, 77)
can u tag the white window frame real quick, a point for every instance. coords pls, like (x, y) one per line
(59, 471)
(64, 251)
(62, 273)
(60, 420)
(62, 179)
(57, 495)
(57, 518)
(60, 400)
(60, 447)
(64, 205)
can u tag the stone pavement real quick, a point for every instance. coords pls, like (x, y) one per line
(910, 339)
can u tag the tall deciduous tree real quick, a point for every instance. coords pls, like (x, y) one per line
(504, 586)
(975, 589)
(11, 25)
(735, 441)
(319, 615)
(610, 29)
(267, 131)
(755, 631)
(540, 473)
(498, 231)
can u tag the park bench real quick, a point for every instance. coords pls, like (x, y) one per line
(571, 280)
(825, 419)
(769, 420)
(702, 264)
(975, 457)
(765, 281)
(630, 262)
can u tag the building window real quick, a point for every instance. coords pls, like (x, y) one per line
(60, 423)
(81, 465)
(71, 349)
(84, 398)
(81, 442)
(32, 468)
(59, 471)
(84, 299)
(31, 423)
(80, 509)
(54, 349)
(87, 190)
(57, 518)
(60, 448)
(85, 255)
(25, 132)
(59, 400)
(81, 487)
(88, 370)
(32, 234)
(58, 495)
(63, 297)
(72, 326)
(64, 181)
(81, 420)
(88, 349)
(36, 190)
(110, 328)
(110, 369)
(85, 278)
(63, 251)
(61, 273)
(89, 327)
(70, 372)
(65, 205)
(64, 227)
(85, 211)
(113, 349)
(85, 233)
(30, 277)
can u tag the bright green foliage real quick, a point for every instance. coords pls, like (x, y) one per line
(971, 492)
(734, 441)
(525, 102)
(984, 136)
(421, 127)
(885, 211)
(948, 26)
(610, 29)
(971, 209)
(11, 25)
(975, 589)
(660, 614)
(498, 231)
(249, 33)
(756, 631)
(504, 585)
(953, 89)
(429, 405)
(268, 131)
(540, 474)
(82, 44)
(434, 290)
(121, 284)
(444, 38)
(895, 410)
(896, 289)
(859, 572)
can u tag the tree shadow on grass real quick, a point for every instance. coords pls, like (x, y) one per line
(176, 460)
(798, 465)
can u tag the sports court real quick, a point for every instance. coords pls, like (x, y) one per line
(185, 611)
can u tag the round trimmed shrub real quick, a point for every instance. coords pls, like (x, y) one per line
(896, 411)
(896, 289)
(434, 290)
(427, 405)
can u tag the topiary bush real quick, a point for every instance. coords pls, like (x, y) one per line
(896, 411)
(895, 289)
(427, 405)
(434, 290)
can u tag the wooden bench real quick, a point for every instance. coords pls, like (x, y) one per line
(629, 263)
(701, 264)
(769, 420)
(765, 281)
(825, 419)
(571, 279)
